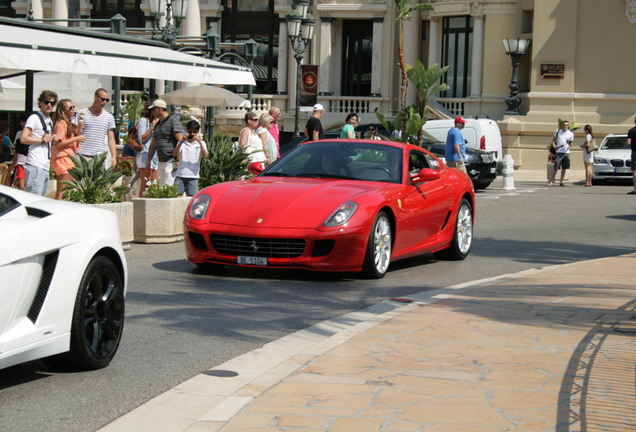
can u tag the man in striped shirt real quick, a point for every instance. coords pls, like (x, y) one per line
(98, 126)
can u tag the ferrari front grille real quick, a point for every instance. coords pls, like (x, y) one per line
(48, 270)
(260, 247)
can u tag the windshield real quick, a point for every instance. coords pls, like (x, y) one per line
(341, 160)
(615, 143)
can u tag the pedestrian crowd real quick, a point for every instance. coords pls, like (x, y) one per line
(49, 137)
(260, 138)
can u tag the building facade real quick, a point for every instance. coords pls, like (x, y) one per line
(577, 67)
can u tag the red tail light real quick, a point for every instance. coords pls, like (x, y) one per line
(482, 142)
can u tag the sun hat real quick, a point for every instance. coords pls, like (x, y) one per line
(159, 103)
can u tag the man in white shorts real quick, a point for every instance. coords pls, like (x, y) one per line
(168, 132)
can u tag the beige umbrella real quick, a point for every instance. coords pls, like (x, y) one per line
(205, 95)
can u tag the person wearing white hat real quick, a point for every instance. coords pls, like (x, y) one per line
(313, 129)
(168, 132)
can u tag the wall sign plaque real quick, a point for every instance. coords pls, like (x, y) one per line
(552, 71)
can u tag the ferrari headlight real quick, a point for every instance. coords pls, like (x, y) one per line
(199, 207)
(342, 214)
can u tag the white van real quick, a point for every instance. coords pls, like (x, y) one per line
(479, 134)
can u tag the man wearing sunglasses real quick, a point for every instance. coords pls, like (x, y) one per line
(98, 126)
(38, 135)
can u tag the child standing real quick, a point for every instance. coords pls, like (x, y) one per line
(189, 151)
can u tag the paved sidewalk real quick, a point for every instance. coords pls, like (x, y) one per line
(542, 350)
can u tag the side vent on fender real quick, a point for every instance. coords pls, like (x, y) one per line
(448, 215)
(37, 212)
(48, 270)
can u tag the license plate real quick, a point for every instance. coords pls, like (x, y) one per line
(250, 260)
(623, 170)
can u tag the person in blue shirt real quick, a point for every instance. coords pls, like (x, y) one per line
(456, 146)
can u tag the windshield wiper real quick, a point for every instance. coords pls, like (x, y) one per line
(277, 174)
(325, 175)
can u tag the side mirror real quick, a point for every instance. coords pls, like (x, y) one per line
(425, 174)
(256, 167)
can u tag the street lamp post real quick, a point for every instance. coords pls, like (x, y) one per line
(515, 48)
(250, 53)
(300, 29)
(177, 8)
(212, 42)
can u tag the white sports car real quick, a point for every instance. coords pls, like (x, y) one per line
(62, 282)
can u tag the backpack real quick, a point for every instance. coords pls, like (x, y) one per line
(23, 149)
(5, 153)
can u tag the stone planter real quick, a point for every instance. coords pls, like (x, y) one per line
(124, 212)
(550, 172)
(159, 220)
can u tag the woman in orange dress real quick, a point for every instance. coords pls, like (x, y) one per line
(69, 137)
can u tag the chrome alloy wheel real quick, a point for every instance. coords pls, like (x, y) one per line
(382, 244)
(464, 228)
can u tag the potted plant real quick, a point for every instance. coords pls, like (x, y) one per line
(93, 184)
(158, 217)
(226, 162)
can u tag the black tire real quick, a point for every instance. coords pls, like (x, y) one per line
(378, 254)
(481, 186)
(98, 318)
(462, 234)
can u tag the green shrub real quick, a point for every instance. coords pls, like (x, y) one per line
(227, 162)
(155, 190)
(92, 182)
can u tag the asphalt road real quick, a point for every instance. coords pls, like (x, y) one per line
(180, 322)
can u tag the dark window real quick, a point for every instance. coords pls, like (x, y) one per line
(255, 19)
(129, 9)
(457, 39)
(6, 9)
(356, 57)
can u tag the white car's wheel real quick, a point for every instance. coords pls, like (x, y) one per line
(98, 317)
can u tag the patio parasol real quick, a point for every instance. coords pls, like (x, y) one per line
(205, 95)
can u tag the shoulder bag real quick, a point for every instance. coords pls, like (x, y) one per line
(591, 146)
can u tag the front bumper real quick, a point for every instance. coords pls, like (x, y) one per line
(605, 171)
(337, 249)
(482, 173)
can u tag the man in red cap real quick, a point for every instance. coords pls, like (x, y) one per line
(456, 146)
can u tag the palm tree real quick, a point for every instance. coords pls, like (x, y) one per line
(426, 81)
(404, 9)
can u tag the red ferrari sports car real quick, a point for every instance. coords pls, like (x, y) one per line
(335, 205)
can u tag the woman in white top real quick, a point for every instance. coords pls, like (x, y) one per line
(266, 122)
(249, 139)
(588, 157)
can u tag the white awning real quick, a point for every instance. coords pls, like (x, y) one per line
(40, 47)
